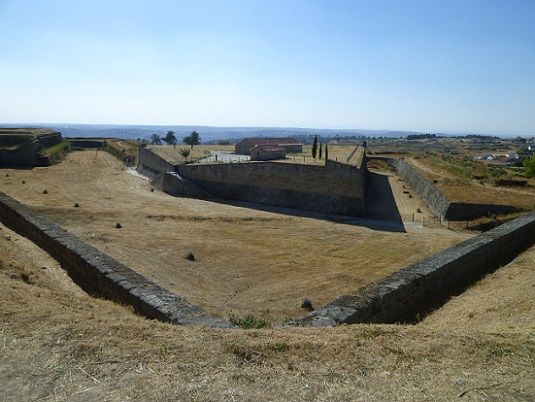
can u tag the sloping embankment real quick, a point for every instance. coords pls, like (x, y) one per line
(98, 273)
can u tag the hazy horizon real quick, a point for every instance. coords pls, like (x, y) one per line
(455, 67)
(323, 131)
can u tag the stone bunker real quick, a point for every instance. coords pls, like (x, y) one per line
(20, 146)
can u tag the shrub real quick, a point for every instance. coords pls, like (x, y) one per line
(184, 152)
(56, 152)
(249, 322)
(529, 167)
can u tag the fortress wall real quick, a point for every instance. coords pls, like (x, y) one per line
(23, 155)
(334, 188)
(439, 203)
(86, 142)
(98, 273)
(176, 185)
(458, 211)
(48, 140)
(415, 290)
(152, 165)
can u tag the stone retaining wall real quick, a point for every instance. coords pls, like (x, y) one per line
(412, 292)
(98, 273)
(438, 203)
(86, 142)
(152, 165)
(335, 188)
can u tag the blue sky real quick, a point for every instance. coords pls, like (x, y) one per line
(449, 66)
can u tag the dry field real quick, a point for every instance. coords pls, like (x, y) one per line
(247, 261)
(59, 344)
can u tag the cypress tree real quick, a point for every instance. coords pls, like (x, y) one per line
(326, 152)
(315, 146)
(321, 149)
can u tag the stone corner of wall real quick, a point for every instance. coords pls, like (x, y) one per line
(98, 273)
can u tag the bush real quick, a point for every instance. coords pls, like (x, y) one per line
(529, 167)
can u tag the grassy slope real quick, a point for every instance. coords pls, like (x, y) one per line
(56, 343)
(455, 180)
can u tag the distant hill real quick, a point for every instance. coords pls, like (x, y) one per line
(208, 133)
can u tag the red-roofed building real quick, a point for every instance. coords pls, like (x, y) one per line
(289, 144)
(267, 152)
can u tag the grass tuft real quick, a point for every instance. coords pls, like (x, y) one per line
(249, 322)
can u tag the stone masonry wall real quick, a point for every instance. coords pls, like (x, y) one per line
(334, 188)
(417, 289)
(98, 273)
(439, 203)
(152, 165)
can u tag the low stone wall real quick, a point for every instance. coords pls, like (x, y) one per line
(86, 142)
(459, 211)
(98, 273)
(335, 188)
(417, 289)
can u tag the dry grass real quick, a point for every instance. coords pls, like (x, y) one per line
(58, 344)
(172, 153)
(501, 301)
(247, 261)
(463, 189)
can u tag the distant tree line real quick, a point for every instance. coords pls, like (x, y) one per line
(420, 136)
(170, 139)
